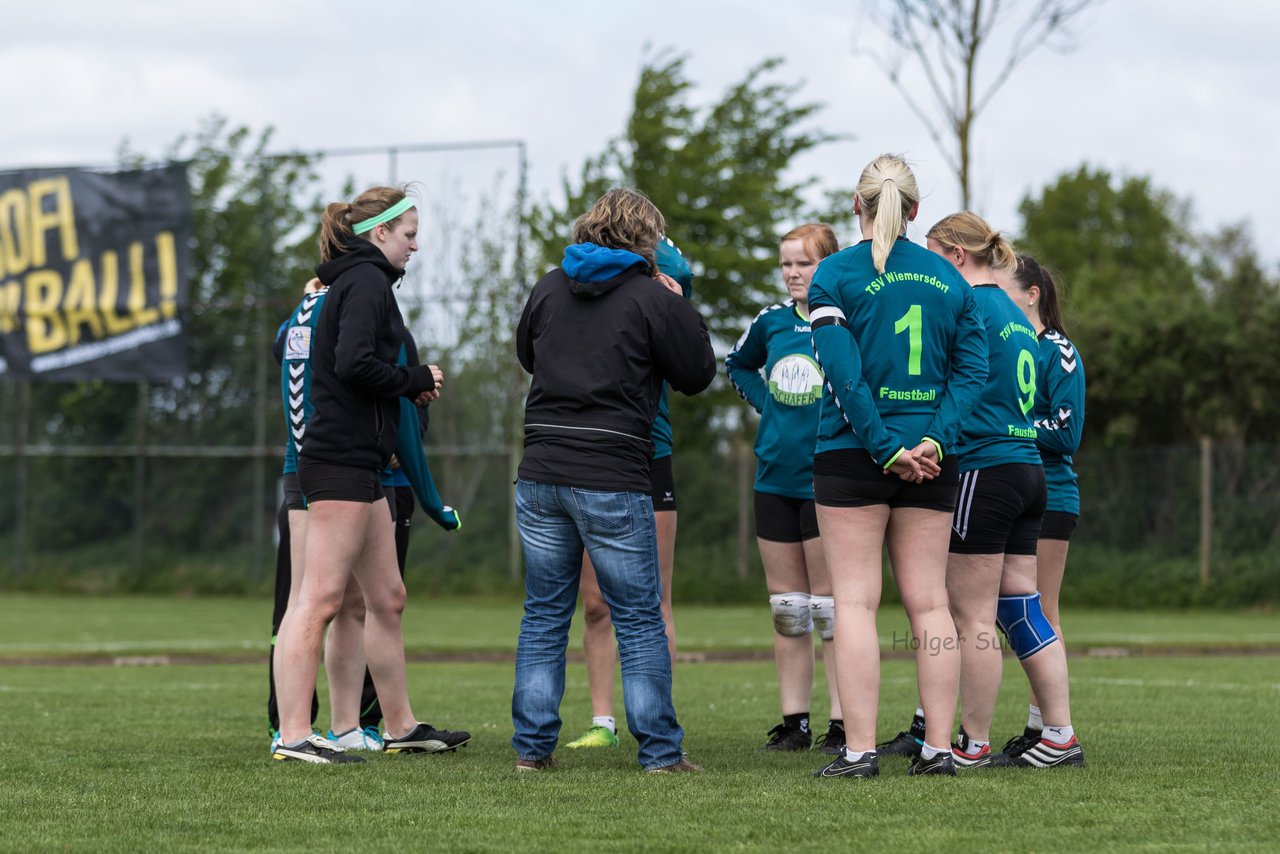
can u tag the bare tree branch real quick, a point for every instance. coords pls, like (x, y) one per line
(946, 39)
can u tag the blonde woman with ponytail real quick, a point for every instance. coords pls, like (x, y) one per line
(991, 570)
(899, 338)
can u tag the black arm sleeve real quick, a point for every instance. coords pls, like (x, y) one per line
(363, 313)
(682, 348)
(524, 334)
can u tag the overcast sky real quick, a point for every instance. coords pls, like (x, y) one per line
(1171, 89)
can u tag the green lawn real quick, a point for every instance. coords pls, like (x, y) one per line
(1181, 750)
(44, 626)
(164, 758)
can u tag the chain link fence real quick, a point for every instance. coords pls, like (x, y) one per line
(1171, 526)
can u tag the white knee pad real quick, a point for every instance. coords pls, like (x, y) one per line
(791, 614)
(824, 616)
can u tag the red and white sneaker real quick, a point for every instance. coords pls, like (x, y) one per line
(968, 755)
(1044, 754)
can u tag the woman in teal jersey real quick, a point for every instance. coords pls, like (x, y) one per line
(1059, 423)
(788, 398)
(900, 340)
(991, 571)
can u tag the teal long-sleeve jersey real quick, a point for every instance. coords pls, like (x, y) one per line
(298, 332)
(788, 397)
(904, 351)
(1000, 430)
(671, 261)
(1059, 418)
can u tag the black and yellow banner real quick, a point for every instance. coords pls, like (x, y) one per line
(93, 273)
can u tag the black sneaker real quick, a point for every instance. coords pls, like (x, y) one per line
(940, 764)
(316, 750)
(867, 766)
(832, 742)
(426, 739)
(783, 737)
(902, 744)
(1018, 745)
(1044, 754)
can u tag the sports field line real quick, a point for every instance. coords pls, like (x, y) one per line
(164, 654)
(1181, 683)
(101, 647)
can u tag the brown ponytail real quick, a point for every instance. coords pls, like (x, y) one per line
(336, 234)
(1029, 273)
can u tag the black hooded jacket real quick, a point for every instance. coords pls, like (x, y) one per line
(598, 352)
(355, 381)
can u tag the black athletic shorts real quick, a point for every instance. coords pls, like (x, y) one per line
(1058, 525)
(848, 477)
(999, 510)
(662, 485)
(331, 482)
(293, 498)
(780, 519)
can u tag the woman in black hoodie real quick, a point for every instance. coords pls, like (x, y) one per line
(599, 335)
(355, 384)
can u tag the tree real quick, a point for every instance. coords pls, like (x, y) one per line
(721, 177)
(1176, 331)
(1110, 235)
(947, 39)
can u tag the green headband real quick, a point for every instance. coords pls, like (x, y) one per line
(386, 216)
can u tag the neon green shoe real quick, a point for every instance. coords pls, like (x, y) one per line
(597, 736)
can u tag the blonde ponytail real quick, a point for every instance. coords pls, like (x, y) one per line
(887, 192)
(970, 232)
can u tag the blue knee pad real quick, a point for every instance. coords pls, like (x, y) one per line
(1024, 624)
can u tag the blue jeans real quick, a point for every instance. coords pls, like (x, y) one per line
(617, 530)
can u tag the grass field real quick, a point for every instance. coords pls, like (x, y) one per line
(54, 627)
(1181, 749)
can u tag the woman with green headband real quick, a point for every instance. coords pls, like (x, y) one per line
(355, 386)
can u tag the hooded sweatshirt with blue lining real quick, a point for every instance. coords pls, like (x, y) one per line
(599, 337)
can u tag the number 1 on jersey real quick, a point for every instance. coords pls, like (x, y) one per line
(911, 324)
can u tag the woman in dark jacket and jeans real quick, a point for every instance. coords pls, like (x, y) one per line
(355, 385)
(599, 335)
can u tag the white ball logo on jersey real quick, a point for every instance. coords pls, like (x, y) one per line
(796, 380)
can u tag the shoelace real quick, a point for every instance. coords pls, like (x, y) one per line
(830, 738)
(899, 737)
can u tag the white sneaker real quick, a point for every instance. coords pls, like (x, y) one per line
(358, 739)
